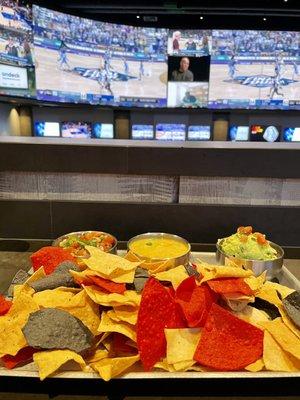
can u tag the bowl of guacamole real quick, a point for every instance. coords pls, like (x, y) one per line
(252, 250)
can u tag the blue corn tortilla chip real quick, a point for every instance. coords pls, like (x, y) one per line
(291, 305)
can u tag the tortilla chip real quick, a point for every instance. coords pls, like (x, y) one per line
(11, 336)
(110, 266)
(108, 368)
(163, 364)
(256, 366)
(97, 356)
(227, 343)
(269, 294)
(50, 361)
(283, 336)
(288, 322)
(54, 298)
(256, 282)
(217, 271)
(275, 358)
(38, 274)
(183, 365)
(130, 297)
(252, 315)
(125, 314)
(283, 290)
(79, 304)
(175, 276)
(132, 257)
(109, 325)
(181, 344)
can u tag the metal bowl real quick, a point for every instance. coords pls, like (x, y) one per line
(171, 261)
(113, 250)
(257, 266)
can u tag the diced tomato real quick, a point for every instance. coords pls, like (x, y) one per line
(261, 239)
(246, 230)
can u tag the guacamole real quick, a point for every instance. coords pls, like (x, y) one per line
(247, 245)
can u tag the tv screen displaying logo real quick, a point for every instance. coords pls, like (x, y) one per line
(13, 77)
(103, 131)
(170, 132)
(260, 133)
(198, 132)
(142, 132)
(76, 130)
(291, 135)
(238, 133)
(46, 129)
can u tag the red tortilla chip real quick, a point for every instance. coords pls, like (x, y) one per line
(50, 257)
(228, 343)
(109, 286)
(83, 280)
(157, 311)
(230, 285)
(120, 346)
(23, 356)
(195, 301)
(4, 305)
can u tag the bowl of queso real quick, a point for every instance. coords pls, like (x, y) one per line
(76, 242)
(164, 247)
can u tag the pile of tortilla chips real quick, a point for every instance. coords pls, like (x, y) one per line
(204, 318)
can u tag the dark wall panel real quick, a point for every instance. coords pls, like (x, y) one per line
(25, 219)
(197, 223)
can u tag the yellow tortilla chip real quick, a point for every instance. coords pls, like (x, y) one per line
(163, 364)
(283, 336)
(11, 336)
(183, 366)
(175, 276)
(218, 271)
(129, 297)
(51, 360)
(79, 304)
(97, 356)
(125, 314)
(181, 344)
(256, 282)
(132, 257)
(288, 322)
(269, 294)
(24, 288)
(38, 274)
(283, 290)
(108, 325)
(256, 366)
(275, 358)
(252, 315)
(55, 298)
(111, 266)
(108, 368)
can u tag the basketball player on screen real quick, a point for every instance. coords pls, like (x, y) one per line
(126, 67)
(141, 71)
(62, 58)
(232, 66)
(276, 86)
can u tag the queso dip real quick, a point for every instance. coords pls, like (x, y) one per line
(158, 247)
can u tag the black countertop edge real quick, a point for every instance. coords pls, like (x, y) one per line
(31, 245)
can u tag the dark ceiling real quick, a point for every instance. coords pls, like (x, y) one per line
(238, 14)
